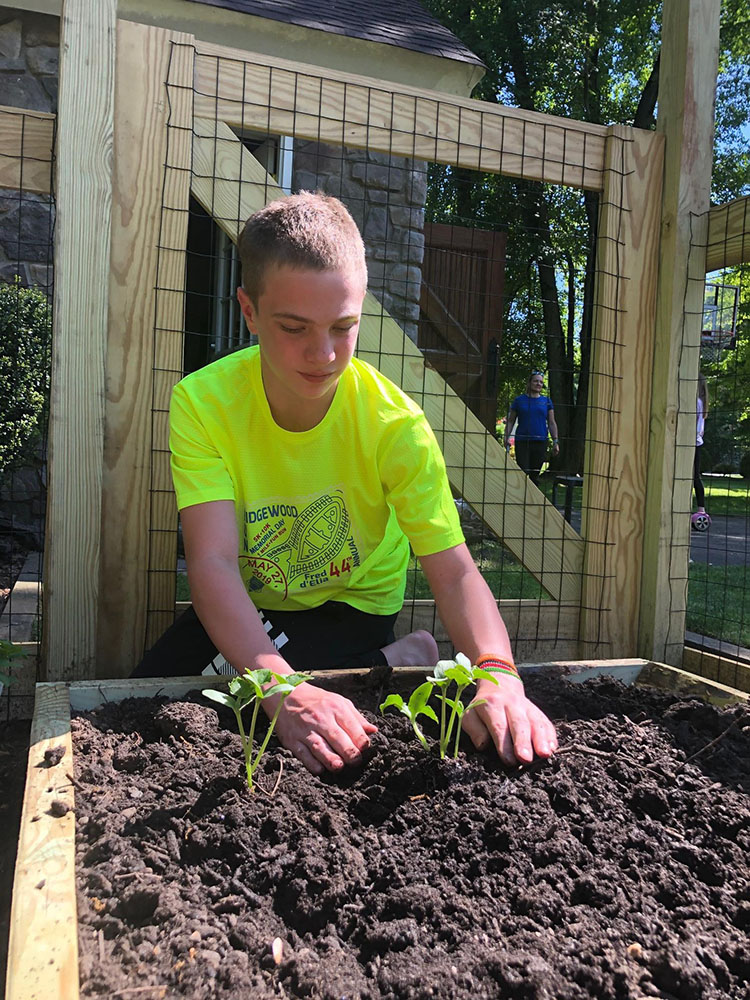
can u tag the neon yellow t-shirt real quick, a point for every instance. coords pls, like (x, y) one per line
(324, 514)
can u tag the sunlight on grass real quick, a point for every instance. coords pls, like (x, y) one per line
(719, 603)
(727, 496)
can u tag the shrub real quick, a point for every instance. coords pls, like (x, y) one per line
(745, 465)
(25, 339)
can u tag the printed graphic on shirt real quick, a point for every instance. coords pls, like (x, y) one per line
(301, 547)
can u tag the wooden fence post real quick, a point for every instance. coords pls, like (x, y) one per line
(687, 88)
(82, 239)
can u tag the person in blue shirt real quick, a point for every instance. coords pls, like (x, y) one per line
(533, 416)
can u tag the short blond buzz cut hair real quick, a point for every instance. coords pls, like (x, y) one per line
(306, 231)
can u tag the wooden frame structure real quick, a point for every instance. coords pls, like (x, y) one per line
(43, 944)
(163, 131)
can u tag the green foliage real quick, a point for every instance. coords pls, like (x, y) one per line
(745, 465)
(459, 673)
(592, 62)
(25, 338)
(416, 706)
(253, 687)
(8, 652)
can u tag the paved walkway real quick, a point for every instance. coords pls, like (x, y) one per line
(726, 543)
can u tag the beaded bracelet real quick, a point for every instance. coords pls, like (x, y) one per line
(497, 664)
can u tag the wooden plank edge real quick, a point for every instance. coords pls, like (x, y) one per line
(86, 695)
(43, 942)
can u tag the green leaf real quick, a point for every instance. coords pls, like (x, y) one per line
(393, 699)
(221, 696)
(419, 698)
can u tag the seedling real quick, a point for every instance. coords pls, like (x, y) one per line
(8, 652)
(416, 706)
(452, 710)
(253, 687)
(461, 673)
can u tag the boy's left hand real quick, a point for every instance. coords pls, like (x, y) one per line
(509, 720)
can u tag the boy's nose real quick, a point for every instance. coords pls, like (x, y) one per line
(320, 347)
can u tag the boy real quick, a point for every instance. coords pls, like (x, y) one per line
(318, 472)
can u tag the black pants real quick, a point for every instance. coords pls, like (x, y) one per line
(530, 455)
(700, 493)
(333, 635)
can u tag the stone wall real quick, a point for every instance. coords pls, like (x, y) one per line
(29, 51)
(386, 196)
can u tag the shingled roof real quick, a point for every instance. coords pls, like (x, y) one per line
(404, 23)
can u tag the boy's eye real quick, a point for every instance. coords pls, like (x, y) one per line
(291, 329)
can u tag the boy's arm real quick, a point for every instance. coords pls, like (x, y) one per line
(552, 423)
(470, 615)
(324, 730)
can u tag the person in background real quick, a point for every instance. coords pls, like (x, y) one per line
(700, 520)
(533, 416)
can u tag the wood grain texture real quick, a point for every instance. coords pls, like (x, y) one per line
(76, 427)
(154, 73)
(43, 944)
(723, 669)
(252, 91)
(689, 60)
(619, 393)
(728, 234)
(230, 184)
(26, 149)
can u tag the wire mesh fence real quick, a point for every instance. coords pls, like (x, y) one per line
(481, 271)
(26, 288)
(718, 594)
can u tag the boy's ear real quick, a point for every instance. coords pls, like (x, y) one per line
(247, 307)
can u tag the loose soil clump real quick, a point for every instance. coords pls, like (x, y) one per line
(616, 870)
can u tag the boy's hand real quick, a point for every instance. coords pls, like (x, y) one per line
(323, 730)
(509, 720)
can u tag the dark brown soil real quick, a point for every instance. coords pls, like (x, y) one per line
(617, 870)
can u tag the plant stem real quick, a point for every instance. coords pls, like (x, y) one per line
(420, 735)
(443, 736)
(247, 748)
(272, 723)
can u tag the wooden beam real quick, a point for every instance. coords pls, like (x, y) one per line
(26, 149)
(258, 92)
(619, 395)
(717, 668)
(153, 123)
(76, 427)
(43, 943)
(230, 184)
(728, 234)
(689, 61)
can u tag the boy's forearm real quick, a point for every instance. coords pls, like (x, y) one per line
(470, 615)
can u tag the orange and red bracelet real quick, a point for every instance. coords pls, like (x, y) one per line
(497, 665)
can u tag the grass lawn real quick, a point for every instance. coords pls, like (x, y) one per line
(727, 495)
(719, 602)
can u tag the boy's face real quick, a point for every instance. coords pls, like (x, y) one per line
(306, 323)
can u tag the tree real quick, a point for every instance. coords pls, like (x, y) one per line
(592, 61)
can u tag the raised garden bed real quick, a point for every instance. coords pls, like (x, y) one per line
(616, 870)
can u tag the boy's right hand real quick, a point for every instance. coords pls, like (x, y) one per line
(322, 729)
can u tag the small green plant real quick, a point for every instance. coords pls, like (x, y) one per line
(452, 709)
(413, 708)
(8, 652)
(253, 687)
